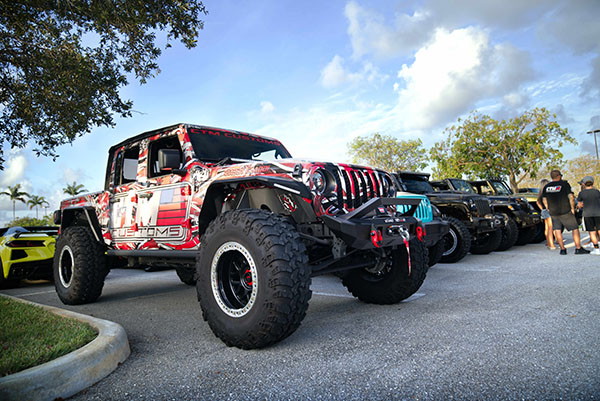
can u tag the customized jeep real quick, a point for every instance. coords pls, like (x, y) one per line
(521, 214)
(235, 215)
(471, 223)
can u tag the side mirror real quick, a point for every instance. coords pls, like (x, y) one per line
(169, 160)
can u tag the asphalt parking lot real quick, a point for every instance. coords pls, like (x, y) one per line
(519, 324)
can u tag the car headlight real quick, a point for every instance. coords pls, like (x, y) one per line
(319, 181)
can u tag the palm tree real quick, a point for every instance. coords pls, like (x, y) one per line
(15, 195)
(35, 201)
(74, 189)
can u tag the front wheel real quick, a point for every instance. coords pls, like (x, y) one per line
(79, 266)
(253, 278)
(486, 243)
(457, 241)
(389, 280)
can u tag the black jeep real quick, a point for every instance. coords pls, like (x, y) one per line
(472, 224)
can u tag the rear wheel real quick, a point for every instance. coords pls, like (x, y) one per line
(457, 242)
(79, 266)
(187, 275)
(253, 278)
(389, 281)
(540, 233)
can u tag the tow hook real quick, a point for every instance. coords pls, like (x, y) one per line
(376, 238)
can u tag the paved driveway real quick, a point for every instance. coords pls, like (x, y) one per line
(520, 324)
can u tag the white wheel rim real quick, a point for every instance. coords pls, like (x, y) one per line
(454, 243)
(217, 283)
(65, 266)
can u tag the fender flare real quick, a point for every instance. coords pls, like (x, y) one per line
(81, 215)
(217, 191)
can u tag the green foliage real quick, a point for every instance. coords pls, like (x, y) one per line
(74, 189)
(579, 167)
(32, 221)
(518, 148)
(62, 63)
(388, 153)
(30, 336)
(15, 195)
(35, 202)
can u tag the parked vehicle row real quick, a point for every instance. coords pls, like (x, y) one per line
(483, 215)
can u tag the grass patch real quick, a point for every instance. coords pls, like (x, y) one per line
(31, 335)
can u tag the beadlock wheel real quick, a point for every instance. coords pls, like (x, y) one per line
(234, 279)
(65, 266)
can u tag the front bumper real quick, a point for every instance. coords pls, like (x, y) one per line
(525, 219)
(435, 231)
(486, 224)
(371, 226)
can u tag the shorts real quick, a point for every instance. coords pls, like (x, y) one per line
(592, 223)
(545, 214)
(564, 221)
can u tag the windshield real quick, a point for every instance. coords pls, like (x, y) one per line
(417, 186)
(215, 145)
(500, 188)
(462, 186)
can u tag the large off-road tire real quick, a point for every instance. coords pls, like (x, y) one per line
(436, 251)
(510, 232)
(186, 274)
(487, 242)
(253, 278)
(79, 266)
(457, 241)
(389, 281)
(540, 233)
(526, 235)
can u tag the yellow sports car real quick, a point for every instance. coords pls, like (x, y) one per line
(26, 253)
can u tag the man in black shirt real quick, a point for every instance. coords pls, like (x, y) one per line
(560, 201)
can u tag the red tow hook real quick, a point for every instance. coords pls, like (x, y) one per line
(420, 233)
(376, 238)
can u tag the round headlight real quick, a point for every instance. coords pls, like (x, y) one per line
(318, 179)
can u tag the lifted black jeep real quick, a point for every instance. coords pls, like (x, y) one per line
(520, 213)
(472, 224)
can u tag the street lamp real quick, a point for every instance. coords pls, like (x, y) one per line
(596, 131)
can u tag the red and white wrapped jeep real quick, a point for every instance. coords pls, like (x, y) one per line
(235, 215)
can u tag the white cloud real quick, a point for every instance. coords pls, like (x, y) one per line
(266, 107)
(456, 70)
(14, 171)
(335, 74)
(371, 34)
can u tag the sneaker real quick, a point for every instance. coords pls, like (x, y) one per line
(563, 251)
(581, 251)
(596, 251)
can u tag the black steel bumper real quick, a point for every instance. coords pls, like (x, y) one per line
(435, 231)
(487, 224)
(525, 219)
(372, 226)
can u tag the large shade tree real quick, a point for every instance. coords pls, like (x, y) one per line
(388, 153)
(62, 63)
(517, 148)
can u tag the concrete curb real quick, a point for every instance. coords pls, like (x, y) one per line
(71, 373)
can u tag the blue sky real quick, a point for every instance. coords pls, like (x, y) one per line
(316, 74)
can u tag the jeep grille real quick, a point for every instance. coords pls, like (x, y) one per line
(483, 207)
(423, 212)
(357, 186)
